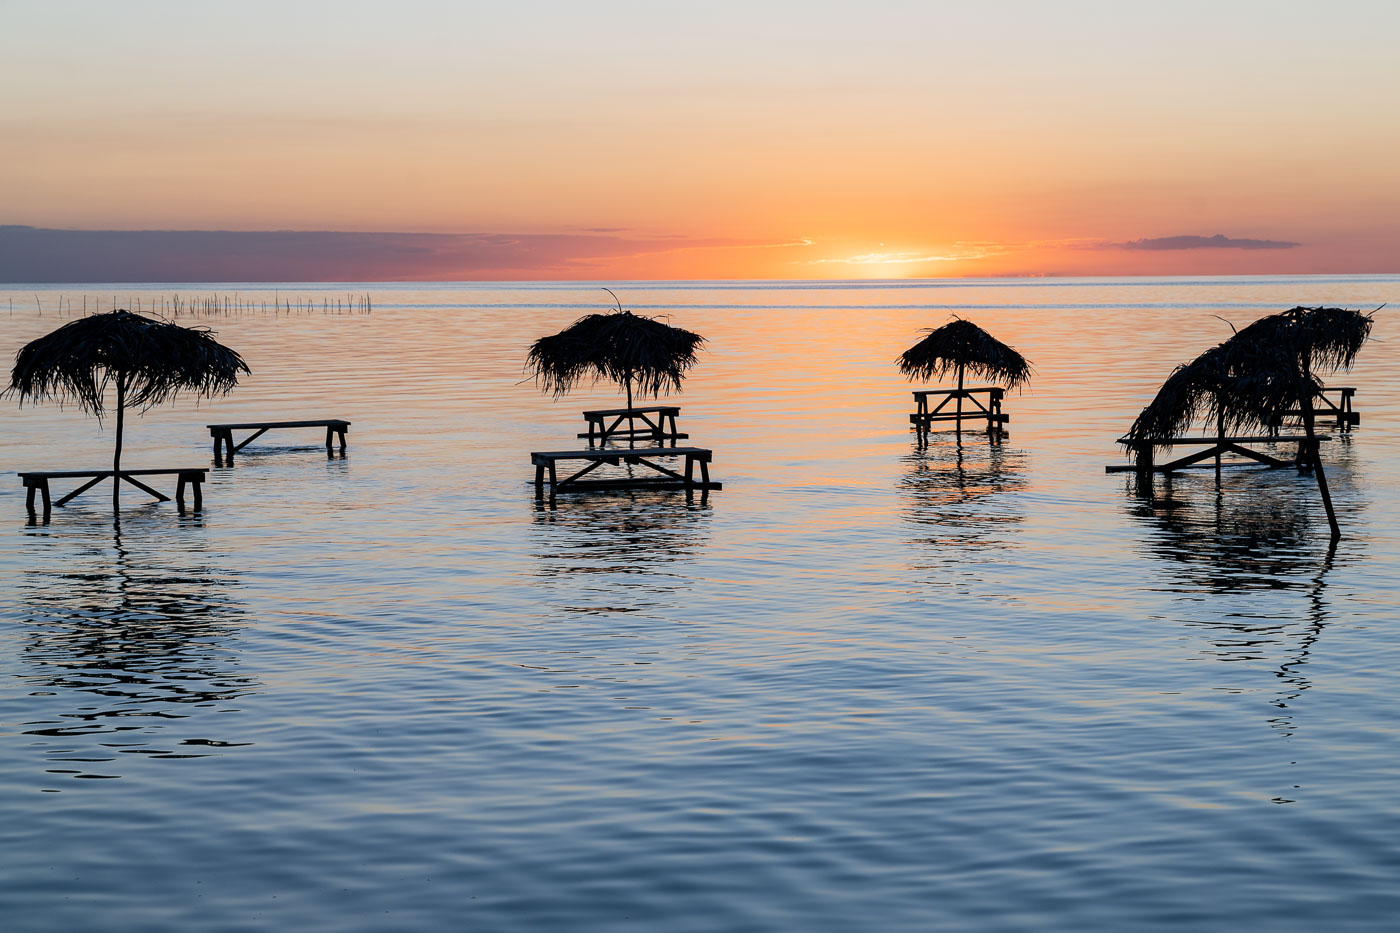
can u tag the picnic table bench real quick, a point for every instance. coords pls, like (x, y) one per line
(924, 417)
(1338, 410)
(1214, 448)
(658, 424)
(38, 481)
(223, 433)
(642, 456)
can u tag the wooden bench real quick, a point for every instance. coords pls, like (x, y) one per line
(658, 424)
(1338, 410)
(642, 456)
(1214, 448)
(223, 433)
(924, 417)
(38, 481)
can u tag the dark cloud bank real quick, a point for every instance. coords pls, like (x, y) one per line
(1219, 241)
(35, 254)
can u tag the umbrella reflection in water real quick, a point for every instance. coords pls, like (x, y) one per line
(612, 575)
(127, 648)
(1240, 564)
(961, 502)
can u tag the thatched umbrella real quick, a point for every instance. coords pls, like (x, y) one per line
(146, 361)
(1258, 377)
(623, 347)
(962, 347)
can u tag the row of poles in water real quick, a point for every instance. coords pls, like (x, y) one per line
(174, 306)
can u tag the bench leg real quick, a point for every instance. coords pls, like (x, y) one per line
(705, 473)
(341, 432)
(40, 486)
(224, 440)
(690, 470)
(539, 481)
(194, 480)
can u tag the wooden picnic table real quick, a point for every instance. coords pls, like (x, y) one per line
(223, 433)
(990, 411)
(37, 481)
(1338, 410)
(1216, 446)
(593, 458)
(658, 423)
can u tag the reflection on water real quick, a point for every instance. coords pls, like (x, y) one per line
(127, 636)
(615, 552)
(1241, 534)
(1235, 534)
(960, 499)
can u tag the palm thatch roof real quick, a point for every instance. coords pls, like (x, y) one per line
(962, 347)
(1257, 376)
(150, 360)
(626, 348)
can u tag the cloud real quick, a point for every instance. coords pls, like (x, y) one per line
(35, 254)
(1219, 241)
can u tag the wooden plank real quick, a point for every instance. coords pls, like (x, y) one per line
(81, 489)
(624, 412)
(103, 474)
(249, 425)
(924, 393)
(144, 488)
(965, 416)
(637, 433)
(550, 455)
(638, 483)
(1253, 439)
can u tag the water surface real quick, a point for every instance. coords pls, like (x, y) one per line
(870, 684)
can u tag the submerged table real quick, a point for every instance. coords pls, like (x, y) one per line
(924, 417)
(666, 478)
(37, 481)
(223, 433)
(1214, 448)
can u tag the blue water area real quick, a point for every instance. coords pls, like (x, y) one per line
(872, 684)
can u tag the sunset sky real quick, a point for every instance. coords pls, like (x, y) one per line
(607, 140)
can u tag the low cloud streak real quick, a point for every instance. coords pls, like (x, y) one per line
(1219, 241)
(35, 254)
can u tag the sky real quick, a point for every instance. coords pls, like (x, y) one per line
(427, 139)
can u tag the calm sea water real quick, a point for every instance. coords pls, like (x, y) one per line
(866, 686)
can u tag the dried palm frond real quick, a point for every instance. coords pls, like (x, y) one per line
(626, 348)
(153, 360)
(962, 347)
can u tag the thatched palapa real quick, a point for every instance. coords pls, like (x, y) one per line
(1260, 376)
(962, 347)
(626, 348)
(144, 361)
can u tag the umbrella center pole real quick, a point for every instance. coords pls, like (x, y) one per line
(117, 456)
(958, 422)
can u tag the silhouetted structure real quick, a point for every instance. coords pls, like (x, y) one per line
(962, 347)
(626, 348)
(1257, 378)
(146, 361)
(623, 347)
